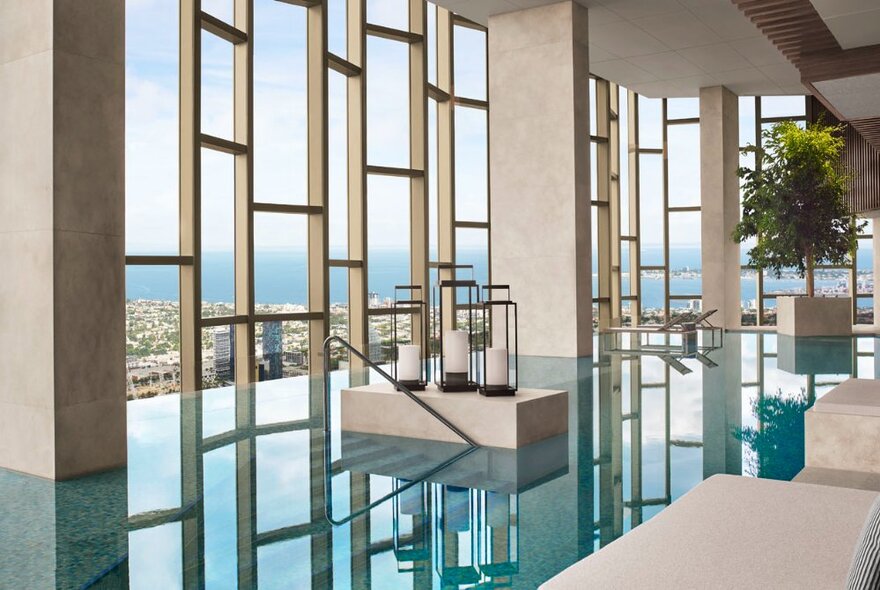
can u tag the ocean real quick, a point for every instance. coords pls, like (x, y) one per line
(280, 277)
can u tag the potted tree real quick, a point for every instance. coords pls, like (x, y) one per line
(795, 207)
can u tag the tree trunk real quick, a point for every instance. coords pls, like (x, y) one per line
(811, 292)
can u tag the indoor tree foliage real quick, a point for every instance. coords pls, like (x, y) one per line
(794, 202)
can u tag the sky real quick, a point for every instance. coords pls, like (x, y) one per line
(280, 127)
(280, 141)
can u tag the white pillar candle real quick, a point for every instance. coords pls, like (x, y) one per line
(455, 353)
(409, 362)
(496, 366)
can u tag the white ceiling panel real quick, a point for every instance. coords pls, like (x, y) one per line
(669, 47)
(854, 98)
(854, 23)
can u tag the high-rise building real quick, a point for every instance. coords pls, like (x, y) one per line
(272, 350)
(224, 351)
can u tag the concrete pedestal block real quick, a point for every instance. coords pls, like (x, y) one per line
(814, 356)
(842, 430)
(505, 471)
(814, 316)
(530, 416)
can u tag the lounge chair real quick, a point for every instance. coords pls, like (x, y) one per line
(673, 326)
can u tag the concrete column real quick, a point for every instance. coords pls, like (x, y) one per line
(62, 302)
(875, 263)
(539, 164)
(719, 185)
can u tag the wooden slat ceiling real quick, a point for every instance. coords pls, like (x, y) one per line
(797, 30)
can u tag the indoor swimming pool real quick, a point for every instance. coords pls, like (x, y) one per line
(230, 488)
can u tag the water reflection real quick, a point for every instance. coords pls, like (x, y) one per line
(227, 489)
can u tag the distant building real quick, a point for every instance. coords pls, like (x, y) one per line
(272, 350)
(224, 355)
(695, 305)
(374, 299)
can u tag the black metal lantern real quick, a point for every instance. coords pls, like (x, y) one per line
(458, 367)
(499, 537)
(456, 535)
(498, 312)
(411, 525)
(409, 359)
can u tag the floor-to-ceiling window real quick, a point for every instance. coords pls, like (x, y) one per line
(288, 165)
(761, 288)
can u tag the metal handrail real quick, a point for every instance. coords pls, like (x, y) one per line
(328, 485)
(328, 480)
(403, 389)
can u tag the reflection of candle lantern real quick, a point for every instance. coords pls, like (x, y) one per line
(499, 536)
(458, 368)
(410, 524)
(455, 510)
(407, 364)
(498, 312)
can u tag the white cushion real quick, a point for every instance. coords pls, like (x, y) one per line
(734, 532)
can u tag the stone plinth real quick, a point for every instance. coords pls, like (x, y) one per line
(814, 316)
(505, 471)
(842, 430)
(530, 416)
(830, 355)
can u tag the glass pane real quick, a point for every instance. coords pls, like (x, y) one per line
(684, 165)
(281, 263)
(339, 316)
(222, 9)
(432, 42)
(472, 247)
(282, 349)
(471, 165)
(432, 181)
(217, 86)
(651, 208)
(153, 454)
(151, 127)
(470, 62)
(865, 265)
(338, 165)
(682, 108)
(152, 324)
(281, 400)
(653, 296)
(594, 171)
(653, 443)
(380, 337)
(280, 118)
(594, 125)
(650, 122)
(286, 564)
(218, 233)
(156, 569)
(623, 123)
(387, 102)
(684, 253)
(218, 357)
(221, 519)
(388, 229)
(389, 13)
(865, 310)
(746, 120)
(783, 106)
(337, 21)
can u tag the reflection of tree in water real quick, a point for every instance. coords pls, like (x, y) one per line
(778, 443)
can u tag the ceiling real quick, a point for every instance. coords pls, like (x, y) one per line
(854, 23)
(670, 48)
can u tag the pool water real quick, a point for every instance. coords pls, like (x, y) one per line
(227, 488)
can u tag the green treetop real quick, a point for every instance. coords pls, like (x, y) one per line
(794, 201)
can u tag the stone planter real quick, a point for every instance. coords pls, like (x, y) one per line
(827, 355)
(814, 316)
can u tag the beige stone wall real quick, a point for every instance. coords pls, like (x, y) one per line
(540, 174)
(62, 220)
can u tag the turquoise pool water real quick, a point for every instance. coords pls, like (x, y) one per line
(227, 488)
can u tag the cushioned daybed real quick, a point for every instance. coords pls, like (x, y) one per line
(734, 532)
